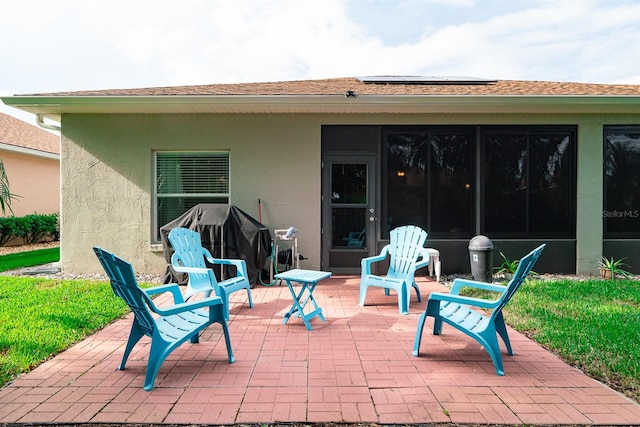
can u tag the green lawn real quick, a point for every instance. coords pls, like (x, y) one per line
(29, 259)
(593, 325)
(41, 317)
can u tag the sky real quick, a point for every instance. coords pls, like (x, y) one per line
(69, 45)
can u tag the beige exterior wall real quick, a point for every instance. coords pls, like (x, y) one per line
(36, 180)
(107, 169)
(108, 178)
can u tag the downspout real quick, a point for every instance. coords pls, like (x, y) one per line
(42, 124)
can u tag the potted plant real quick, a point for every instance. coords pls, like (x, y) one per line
(610, 268)
(508, 267)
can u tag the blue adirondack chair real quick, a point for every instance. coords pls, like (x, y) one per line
(356, 238)
(171, 326)
(460, 311)
(189, 257)
(406, 254)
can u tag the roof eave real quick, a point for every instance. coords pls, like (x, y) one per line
(29, 151)
(53, 107)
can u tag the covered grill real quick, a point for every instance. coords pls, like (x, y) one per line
(227, 232)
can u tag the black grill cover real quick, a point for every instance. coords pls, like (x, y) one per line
(244, 238)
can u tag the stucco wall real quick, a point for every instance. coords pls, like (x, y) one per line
(107, 186)
(36, 180)
(107, 174)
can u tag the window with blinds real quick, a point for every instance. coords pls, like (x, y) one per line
(184, 179)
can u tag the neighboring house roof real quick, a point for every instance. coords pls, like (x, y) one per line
(19, 136)
(344, 95)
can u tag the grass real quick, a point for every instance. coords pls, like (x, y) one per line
(593, 325)
(42, 317)
(29, 259)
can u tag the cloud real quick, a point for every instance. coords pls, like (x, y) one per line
(555, 41)
(76, 45)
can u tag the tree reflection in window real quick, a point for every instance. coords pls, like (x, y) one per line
(428, 180)
(529, 182)
(621, 212)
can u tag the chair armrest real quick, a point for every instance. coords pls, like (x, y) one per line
(173, 288)
(475, 302)
(426, 258)
(353, 235)
(461, 283)
(184, 269)
(239, 264)
(365, 263)
(187, 306)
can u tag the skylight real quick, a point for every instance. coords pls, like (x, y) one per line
(426, 80)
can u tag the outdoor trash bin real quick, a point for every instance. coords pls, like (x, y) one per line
(481, 257)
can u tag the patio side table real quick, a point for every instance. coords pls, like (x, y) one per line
(308, 279)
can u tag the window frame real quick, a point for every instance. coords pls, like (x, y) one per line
(429, 131)
(632, 213)
(206, 197)
(529, 131)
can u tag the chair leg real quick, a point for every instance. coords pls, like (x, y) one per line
(433, 310)
(489, 341)
(404, 297)
(415, 286)
(363, 294)
(416, 344)
(216, 315)
(225, 302)
(249, 296)
(501, 329)
(134, 336)
(227, 340)
(159, 352)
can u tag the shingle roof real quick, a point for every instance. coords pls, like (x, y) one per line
(20, 134)
(339, 86)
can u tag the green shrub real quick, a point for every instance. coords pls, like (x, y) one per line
(8, 229)
(31, 228)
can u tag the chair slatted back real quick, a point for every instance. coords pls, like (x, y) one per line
(125, 285)
(187, 245)
(405, 245)
(525, 265)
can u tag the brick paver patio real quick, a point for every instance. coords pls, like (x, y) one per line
(355, 367)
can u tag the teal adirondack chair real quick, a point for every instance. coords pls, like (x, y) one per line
(189, 257)
(406, 254)
(460, 311)
(171, 326)
(356, 238)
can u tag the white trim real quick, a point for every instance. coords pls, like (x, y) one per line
(43, 125)
(53, 107)
(29, 151)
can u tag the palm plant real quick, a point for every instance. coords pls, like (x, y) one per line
(5, 193)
